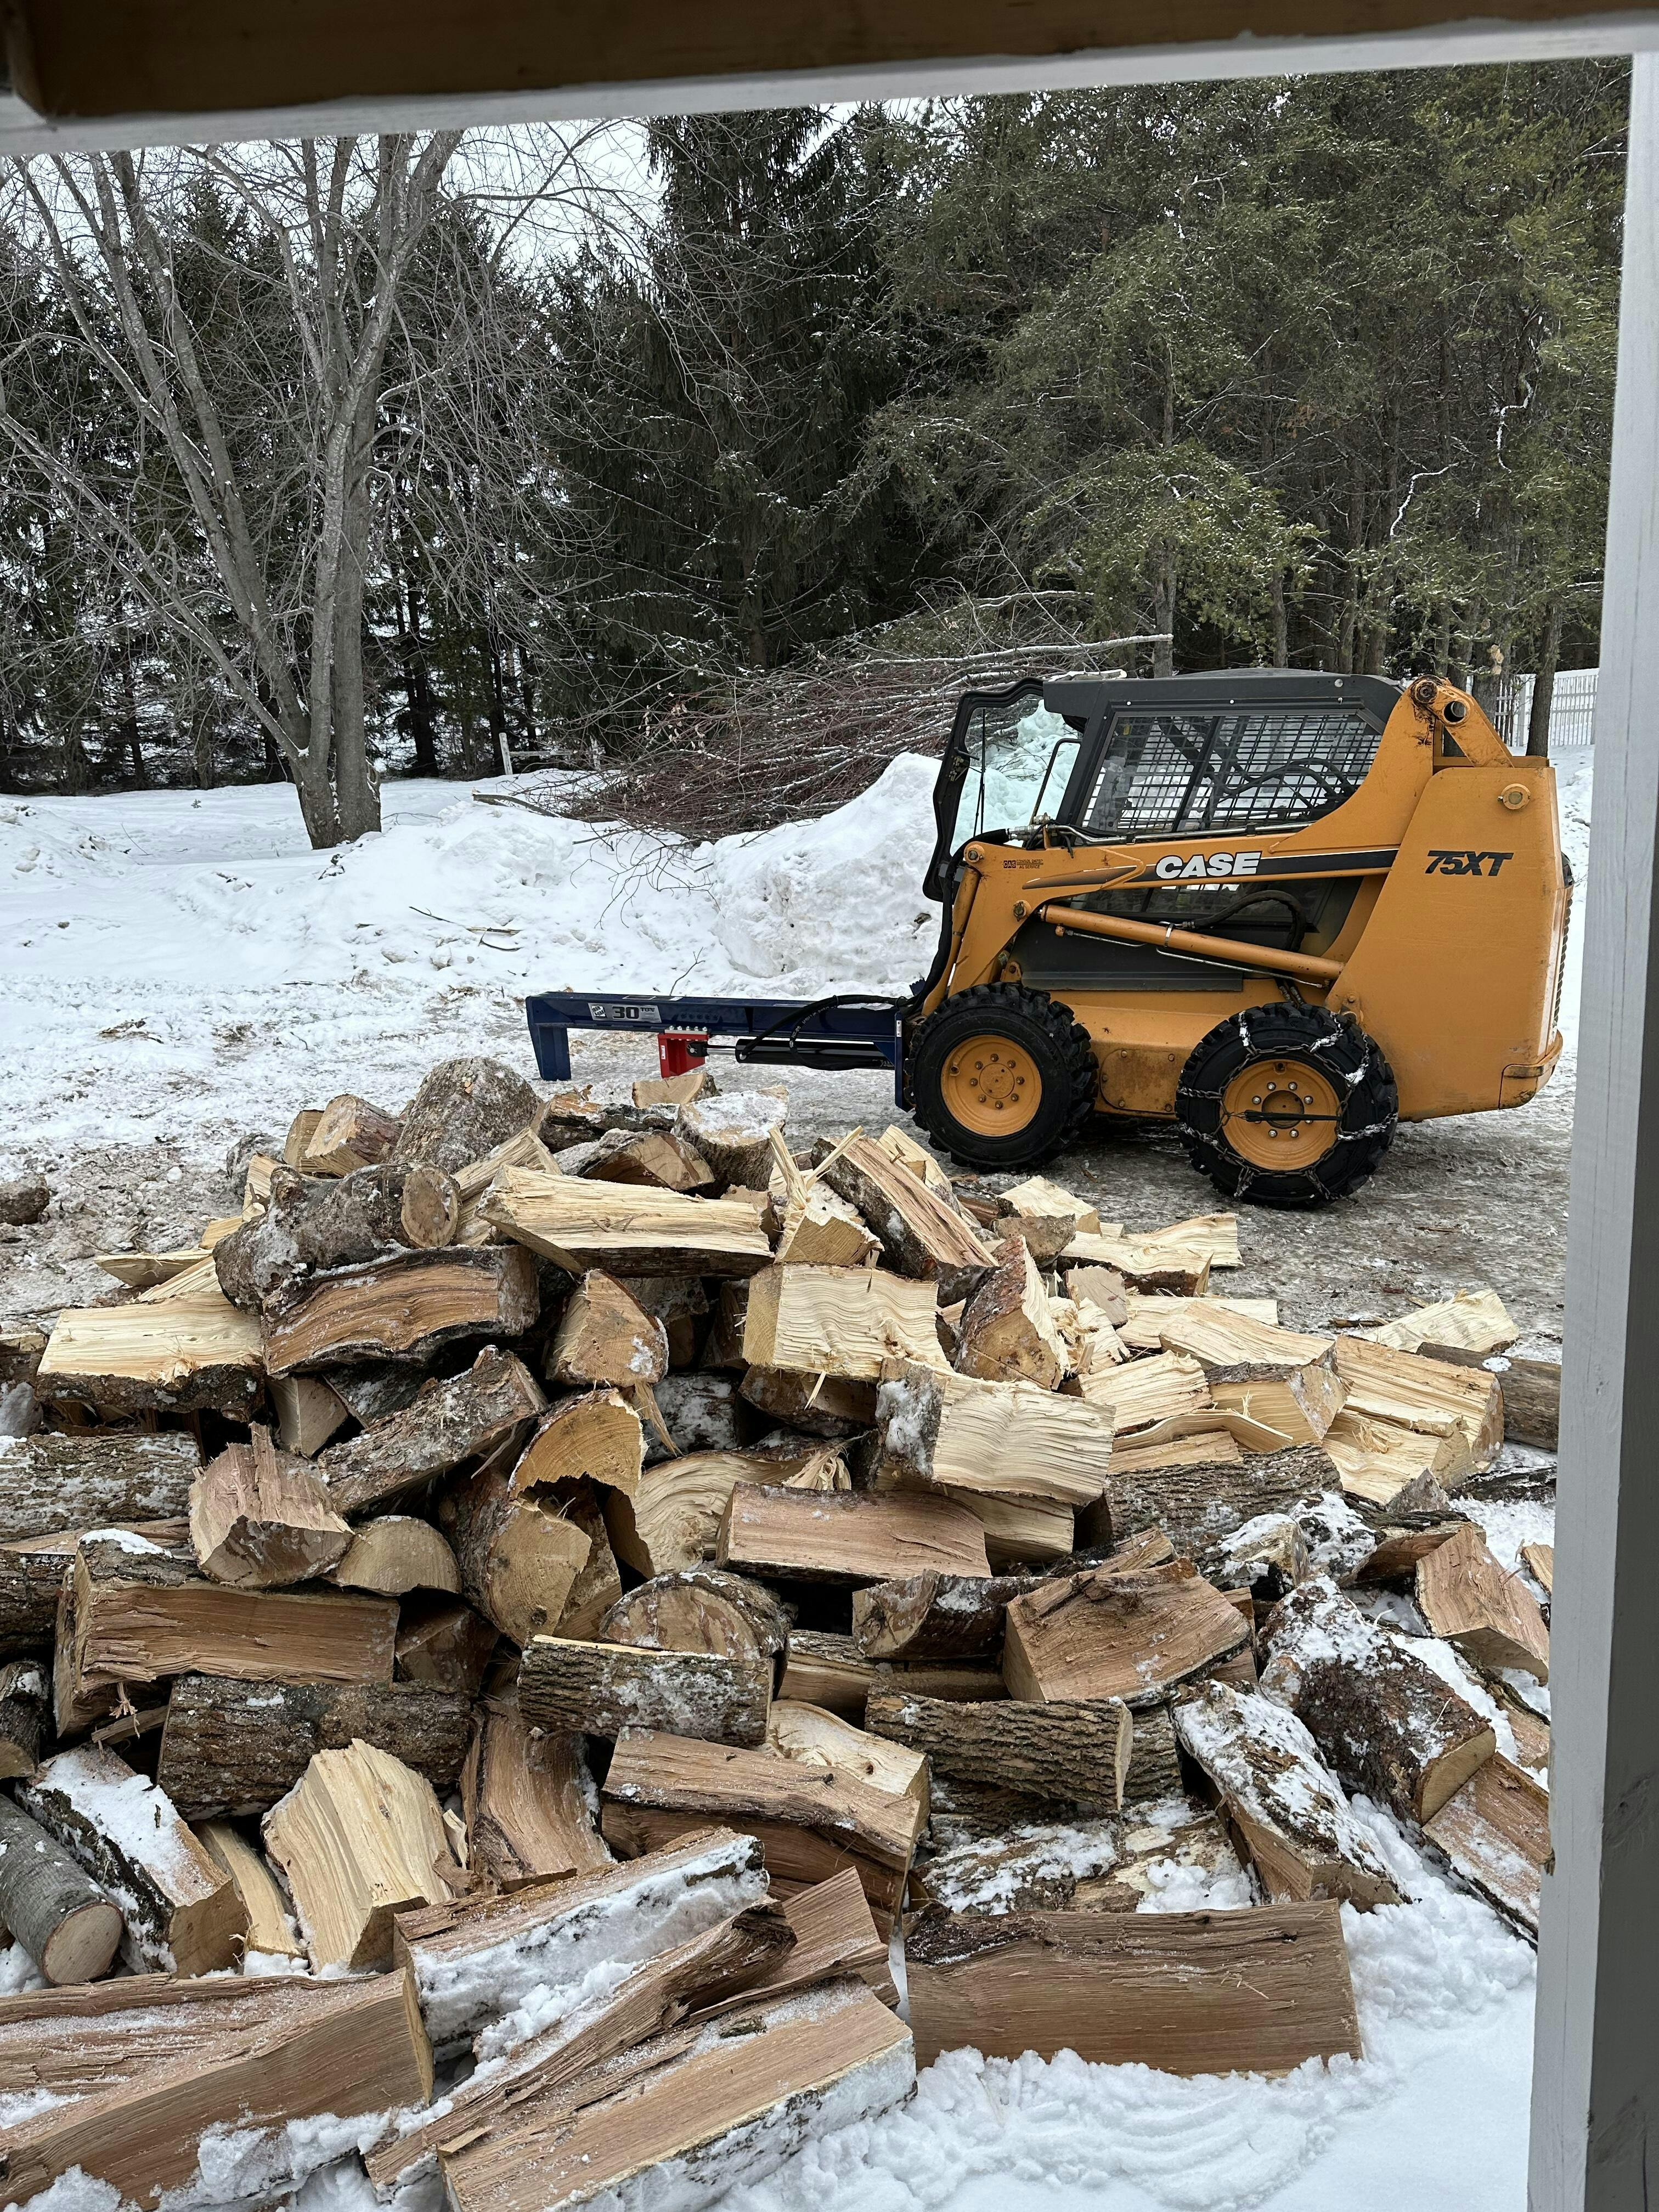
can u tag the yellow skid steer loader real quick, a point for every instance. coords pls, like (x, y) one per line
(1282, 911)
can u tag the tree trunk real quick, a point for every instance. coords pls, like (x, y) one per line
(1281, 622)
(1543, 687)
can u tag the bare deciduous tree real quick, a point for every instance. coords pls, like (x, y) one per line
(341, 222)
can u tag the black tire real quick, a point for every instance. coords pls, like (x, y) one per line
(1335, 1045)
(1044, 1028)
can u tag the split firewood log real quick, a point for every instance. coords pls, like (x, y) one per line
(1202, 1503)
(924, 1234)
(308, 1412)
(476, 1958)
(596, 1438)
(1046, 1218)
(663, 1160)
(359, 1837)
(301, 1131)
(192, 1354)
(1104, 1634)
(62, 1917)
(1137, 1392)
(232, 1747)
(394, 1555)
(599, 1689)
(312, 1223)
(51, 1484)
(1433, 1396)
(626, 1231)
(673, 1521)
(405, 1308)
(1385, 1722)
(1495, 1831)
(1145, 1264)
(702, 1412)
(181, 1912)
(1470, 1322)
(528, 1800)
(348, 1134)
(846, 1322)
(1007, 1333)
(1014, 1440)
(523, 1149)
(23, 1715)
(1278, 1376)
(937, 1616)
(813, 1736)
(1287, 1807)
(260, 1518)
(145, 2068)
(733, 2105)
(598, 1579)
(1491, 1616)
(269, 1931)
(820, 1229)
(518, 1557)
(604, 1336)
(850, 1536)
(1258, 1990)
(817, 1405)
(464, 1418)
(695, 1977)
(444, 1645)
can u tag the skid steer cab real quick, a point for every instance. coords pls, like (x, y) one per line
(1282, 912)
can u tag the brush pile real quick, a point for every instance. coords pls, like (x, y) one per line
(503, 1641)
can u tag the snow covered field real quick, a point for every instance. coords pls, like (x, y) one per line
(180, 967)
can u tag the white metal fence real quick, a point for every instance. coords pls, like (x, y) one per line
(1572, 710)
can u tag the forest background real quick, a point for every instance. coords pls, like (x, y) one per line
(719, 453)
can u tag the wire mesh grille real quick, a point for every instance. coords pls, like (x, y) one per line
(1197, 773)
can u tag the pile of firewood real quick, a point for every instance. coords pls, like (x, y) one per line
(551, 1588)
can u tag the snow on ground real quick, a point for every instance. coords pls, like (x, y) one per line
(181, 966)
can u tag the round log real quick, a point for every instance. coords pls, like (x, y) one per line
(313, 1223)
(52, 1906)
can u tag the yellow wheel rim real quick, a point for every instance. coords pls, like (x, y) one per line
(1280, 1113)
(991, 1086)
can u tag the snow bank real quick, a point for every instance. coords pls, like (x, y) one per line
(182, 964)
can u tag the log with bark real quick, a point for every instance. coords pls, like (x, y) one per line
(311, 1225)
(624, 1231)
(406, 1307)
(660, 1159)
(1539, 1560)
(460, 1420)
(1256, 1991)
(1076, 1752)
(1289, 1812)
(181, 1911)
(260, 1518)
(1201, 1504)
(701, 1412)
(83, 1479)
(269, 1931)
(700, 1609)
(733, 1131)
(812, 1821)
(143, 1614)
(925, 1236)
(52, 1906)
(1489, 1614)
(847, 1537)
(348, 1134)
(1007, 1333)
(145, 2067)
(937, 1616)
(815, 1737)
(1144, 1264)
(528, 1800)
(674, 1089)
(1102, 1633)
(519, 1558)
(1530, 1393)
(595, 1437)
(847, 1322)
(1495, 1831)
(817, 1405)
(464, 1108)
(605, 1336)
(359, 1837)
(699, 2111)
(1010, 1440)
(476, 1959)
(1279, 1376)
(599, 1689)
(661, 1992)
(23, 1703)
(598, 1579)
(1049, 1865)
(231, 1747)
(1046, 1218)
(1386, 1723)
(189, 1355)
